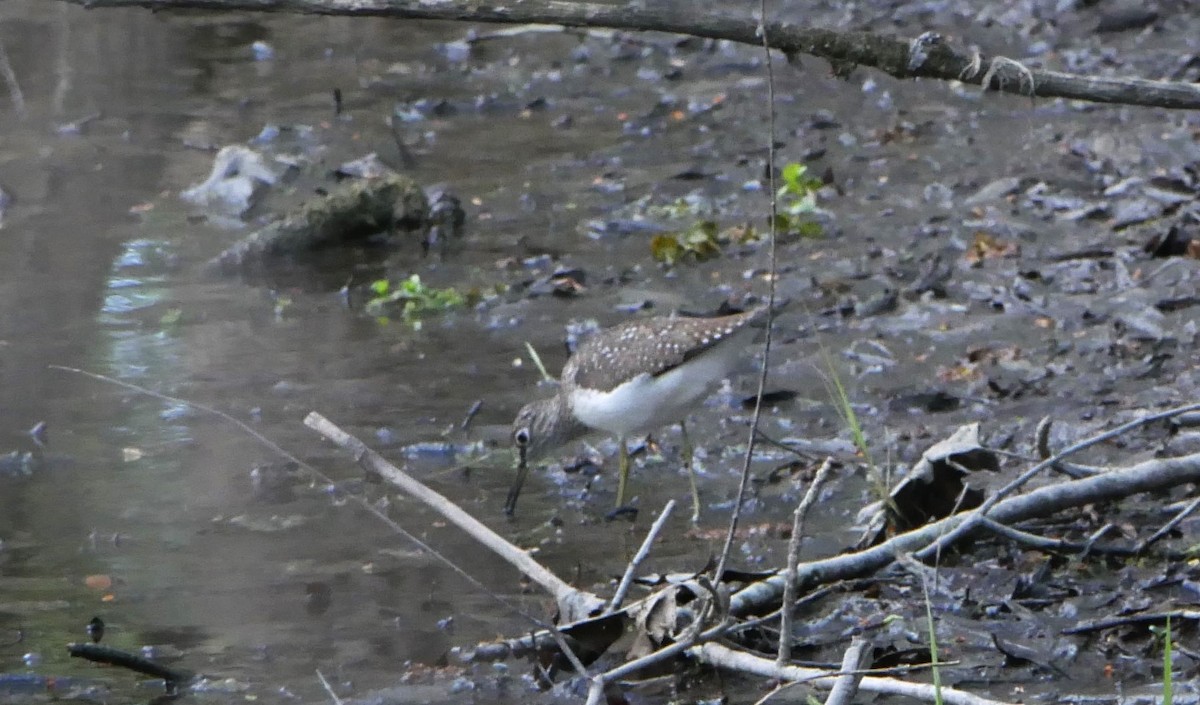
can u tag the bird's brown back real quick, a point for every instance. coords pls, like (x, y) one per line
(650, 345)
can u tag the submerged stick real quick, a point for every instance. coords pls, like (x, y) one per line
(174, 677)
(574, 604)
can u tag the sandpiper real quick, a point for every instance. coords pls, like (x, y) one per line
(631, 379)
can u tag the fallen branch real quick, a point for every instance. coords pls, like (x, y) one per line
(926, 56)
(1048, 545)
(1169, 526)
(1152, 475)
(573, 604)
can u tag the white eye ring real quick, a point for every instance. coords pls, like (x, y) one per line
(521, 436)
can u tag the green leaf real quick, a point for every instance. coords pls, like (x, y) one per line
(792, 173)
(412, 285)
(811, 229)
(666, 249)
(411, 298)
(701, 240)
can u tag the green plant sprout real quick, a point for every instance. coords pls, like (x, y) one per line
(706, 239)
(411, 298)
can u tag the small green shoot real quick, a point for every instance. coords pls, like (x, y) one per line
(706, 239)
(1168, 685)
(411, 298)
(845, 410)
(933, 647)
(537, 362)
(699, 242)
(797, 200)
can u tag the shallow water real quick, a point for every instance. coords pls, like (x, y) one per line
(101, 268)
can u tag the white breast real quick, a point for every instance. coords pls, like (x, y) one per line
(645, 402)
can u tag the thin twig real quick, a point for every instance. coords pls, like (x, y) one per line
(595, 690)
(643, 551)
(856, 673)
(328, 688)
(786, 613)
(1140, 619)
(744, 482)
(779, 688)
(99, 653)
(1072, 470)
(767, 619)
(1024, 538)
(1095, 536)
(573, 604)
(1168, 527)
(663, 654)
(1041, 443)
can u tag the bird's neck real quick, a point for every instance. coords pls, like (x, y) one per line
(564, 425)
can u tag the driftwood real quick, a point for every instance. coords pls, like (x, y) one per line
(926, 56)
(573, 604)
(350, 212)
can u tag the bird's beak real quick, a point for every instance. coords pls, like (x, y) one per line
(510, 504)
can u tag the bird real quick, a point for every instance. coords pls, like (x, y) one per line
(630, 379)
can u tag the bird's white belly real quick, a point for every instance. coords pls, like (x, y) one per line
(646, 402)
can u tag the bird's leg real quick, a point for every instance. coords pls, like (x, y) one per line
(622, 470)
(691, 468)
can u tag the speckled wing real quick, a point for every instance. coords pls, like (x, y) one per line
(651, 346)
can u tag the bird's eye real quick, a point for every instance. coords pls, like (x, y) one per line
(521, 436)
